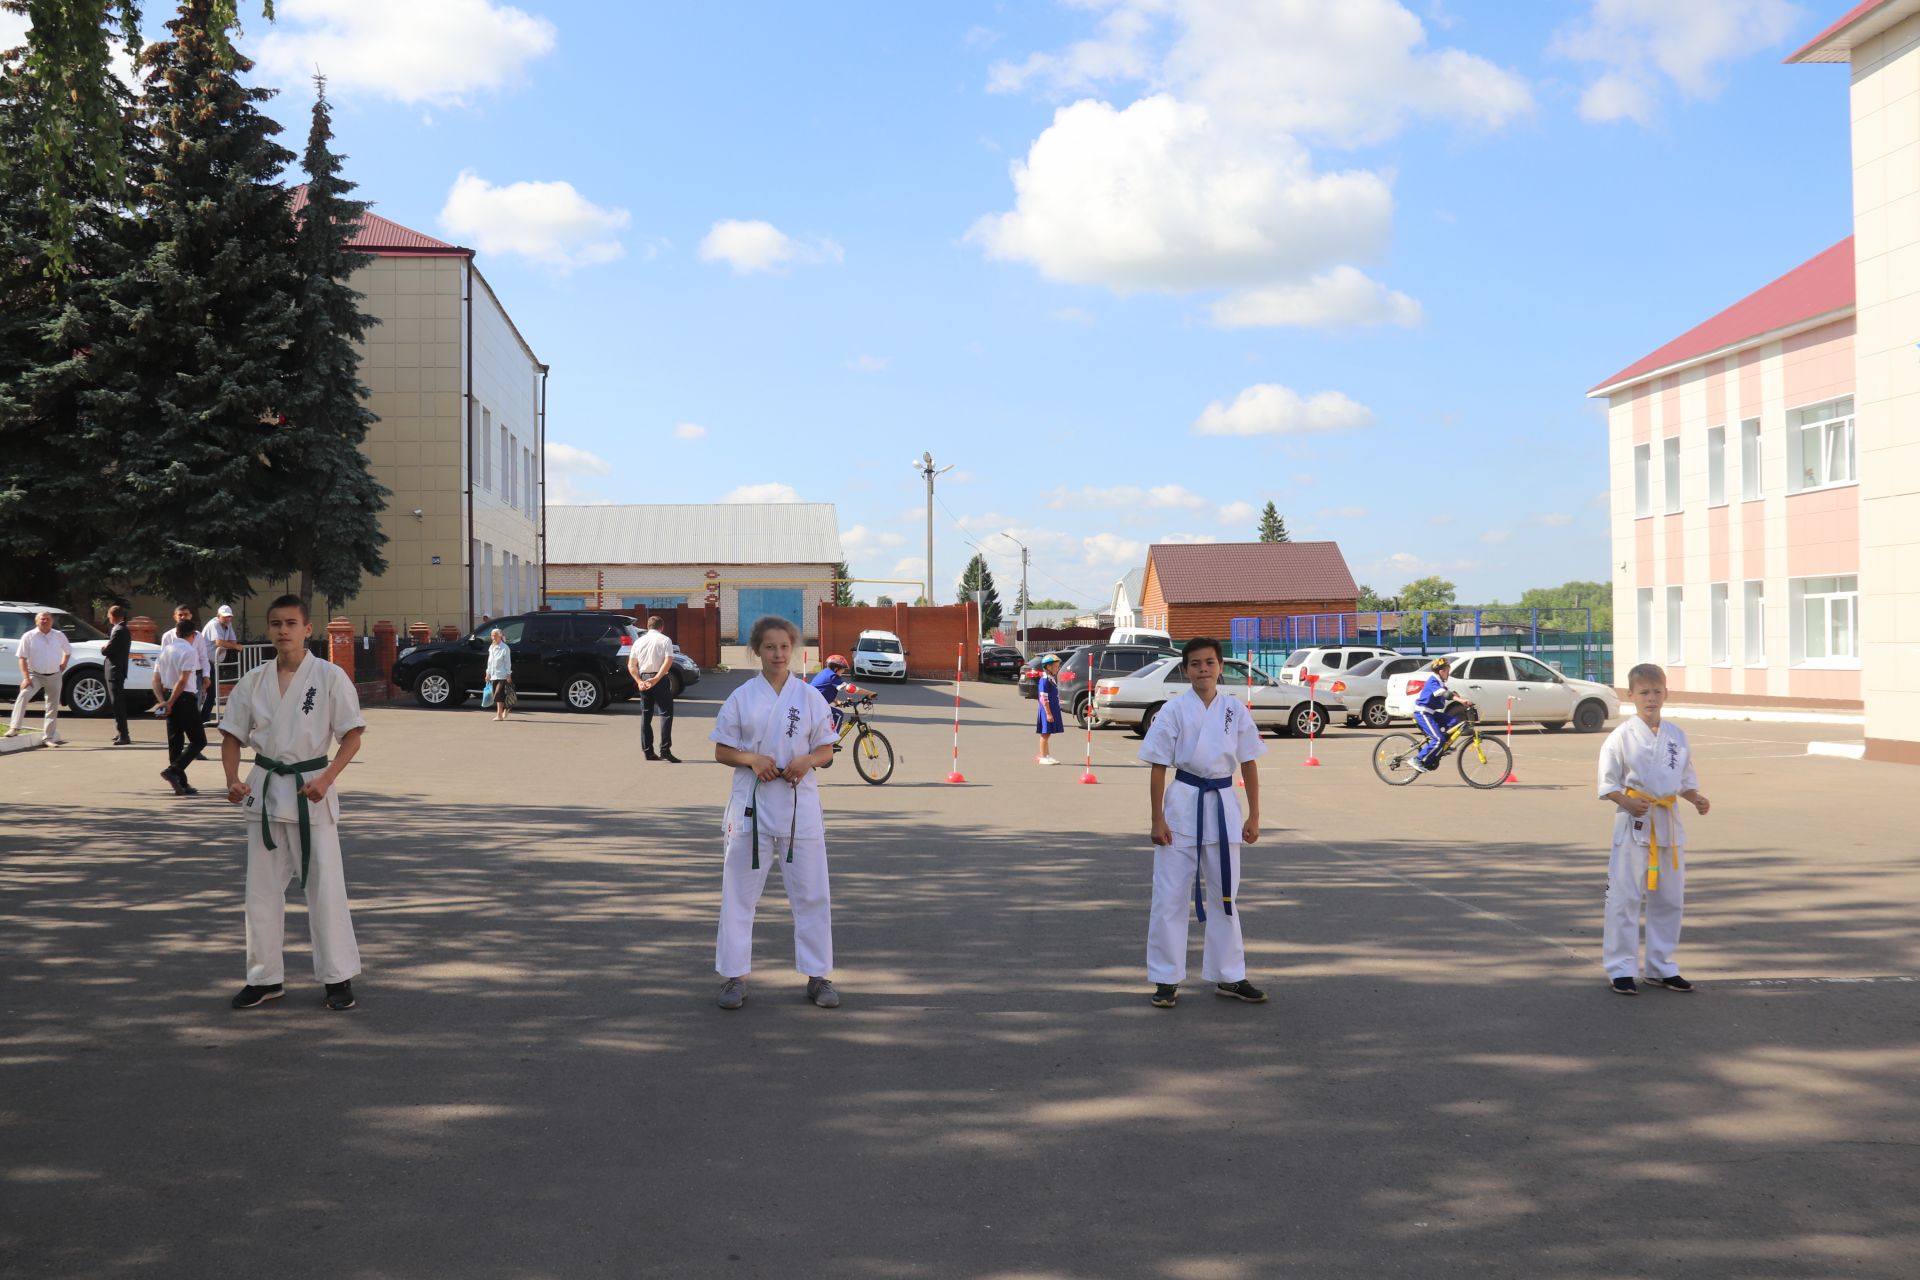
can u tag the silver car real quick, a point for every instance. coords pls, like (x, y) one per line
(1366, 686)
(1133, 700)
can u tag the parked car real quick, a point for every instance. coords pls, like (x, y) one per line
(1134, 699)
(84, 689)
(999, 660)
(684, 671)
(1081, 668)
(879, 655)
(1540, 694)
(1366, 686)
(1141, 635)
(577, 657)
(1327, 660)
(1030, 674)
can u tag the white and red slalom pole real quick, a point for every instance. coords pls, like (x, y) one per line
(959, 668)
(1511, 776)
(1311, 678)
(1087, 778)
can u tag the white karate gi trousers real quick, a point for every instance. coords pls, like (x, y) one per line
(805, 879)
(49, 685)
(336, 956)
(1626, 892)
(1223, 957)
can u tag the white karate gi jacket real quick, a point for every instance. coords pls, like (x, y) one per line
(320, 708)
(790, 723)
(1637, 758)
(1208, 742)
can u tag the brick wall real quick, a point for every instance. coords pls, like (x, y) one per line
(695, 630)
(932, 635)
(1216, 620)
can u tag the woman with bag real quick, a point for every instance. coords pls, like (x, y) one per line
(499, 690)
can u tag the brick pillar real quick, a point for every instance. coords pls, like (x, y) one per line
(449, 632)
(340, 644)
(142, 629)
(386, 645)
(419, 632)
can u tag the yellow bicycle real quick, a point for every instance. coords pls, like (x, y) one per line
(1484, 762)
(872, 753)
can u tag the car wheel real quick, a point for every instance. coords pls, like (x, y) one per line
(583, 691)
(1375, 713)
(676, 682)
(85, 693)
(1554, 726)
(1083, 711)
(1590, 717)
(1307, 720)
(1146, 718)
(434, 689)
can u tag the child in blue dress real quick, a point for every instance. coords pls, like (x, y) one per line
(1047, 690)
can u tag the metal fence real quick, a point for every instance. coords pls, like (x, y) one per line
(1562, 638)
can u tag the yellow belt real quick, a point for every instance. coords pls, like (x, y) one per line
(1653, 837)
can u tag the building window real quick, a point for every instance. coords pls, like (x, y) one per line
(486, 449)
(1754, 621)
(1676, 627)
(1820, 444)
(1750, 459)
(1717, 608)
(506, 461)
(1828, 610)
(526, 469)
(486, 579)
(1717, 467)
(1643, 610)
(1642, 480)
(513, 473)
(1670, 456)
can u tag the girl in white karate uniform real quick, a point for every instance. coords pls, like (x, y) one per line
(1645, 766)
(775, 730)
(291, 711)
(1197, 828)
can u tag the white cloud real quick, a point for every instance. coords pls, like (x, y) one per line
(547, 222)
(1106, 549)
(1405, 564)
(689, 431)
(566, 468)
(1189, 539)
(1640, 48)
(1496, 535)
(1269, 409)
(443, 52)
(13, 29)
(1555, 518)
(1344, 297)
(869, 364)
(770, 492)
(1239, 513)
(750, 246)
(1166, 496)
(862, 541)
(1341, 513)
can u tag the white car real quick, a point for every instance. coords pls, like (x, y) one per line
(1366, 686)
(84, 690)
(1329, 661)
(1540, 694)
(1133, 700)
(879, 655)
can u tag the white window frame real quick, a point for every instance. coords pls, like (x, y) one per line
(1753, 613)
(1717, 624)
(486, 449)
(486, 579)
(526, 477)
(1642, 481)
(1670, 470)
(1676, 626)
(1643, 611)
(506, 463)
(1836, 460)
(1717, 466)
(1838, 606)
(1750, 464)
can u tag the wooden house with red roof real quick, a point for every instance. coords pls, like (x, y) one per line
(1197, 589)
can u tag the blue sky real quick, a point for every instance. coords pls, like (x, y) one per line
(1365, 270)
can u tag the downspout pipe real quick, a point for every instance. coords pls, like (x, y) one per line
(466, 279)
(544, 370)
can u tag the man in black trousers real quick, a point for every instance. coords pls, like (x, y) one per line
(176, 681)
(119, 646)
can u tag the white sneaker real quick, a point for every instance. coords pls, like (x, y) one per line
(1045, 760)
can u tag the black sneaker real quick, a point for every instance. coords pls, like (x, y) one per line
(1165, 995)
(173, 780)
(186, 790)
(1625, 987)
(1675, 983)
(340, 996)
(1241, 990)
(669, 757)
(121, 742)
(651, 755)
(250, 995)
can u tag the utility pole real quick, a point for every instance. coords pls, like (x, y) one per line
(924, 465)
(1024, 557)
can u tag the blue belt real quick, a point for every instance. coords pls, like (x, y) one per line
(1213, 786)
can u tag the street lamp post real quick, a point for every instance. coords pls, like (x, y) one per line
(1023, 589)
(925, 466)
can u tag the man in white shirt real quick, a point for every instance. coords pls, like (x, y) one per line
(176, 684)
(44, 654)
(650, 664)
(222, 643)
(203, 670)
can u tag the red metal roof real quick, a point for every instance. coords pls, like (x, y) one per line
(380, 235)
(1251, 572)
(1816, 287)
(1826, 48)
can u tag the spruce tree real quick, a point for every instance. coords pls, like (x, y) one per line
(190, 380)
(979, 578)
(1272, 527)
(333, 514)
(842, 584)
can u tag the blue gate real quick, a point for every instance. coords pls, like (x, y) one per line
(780, 602)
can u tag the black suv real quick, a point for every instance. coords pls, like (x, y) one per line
(572, 656)
(1106, 662)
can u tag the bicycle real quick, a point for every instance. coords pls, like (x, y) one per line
(1484, 762)
(872, 753)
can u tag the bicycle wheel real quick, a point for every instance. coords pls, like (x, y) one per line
(1393, 758)
(1484, 762)
(873, 756)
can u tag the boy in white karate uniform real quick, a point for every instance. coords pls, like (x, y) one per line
(775, 730)
(290, 711)
(1645, 765)
(1197, 828)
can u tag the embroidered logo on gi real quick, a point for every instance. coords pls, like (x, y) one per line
(1229, 715)
(307, 705)
(1673, 754)
(793, 721)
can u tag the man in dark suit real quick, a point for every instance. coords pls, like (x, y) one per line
(119, 646)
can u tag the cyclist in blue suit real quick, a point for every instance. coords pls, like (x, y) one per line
(1431, 711)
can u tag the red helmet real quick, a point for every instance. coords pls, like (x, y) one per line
(838, 660)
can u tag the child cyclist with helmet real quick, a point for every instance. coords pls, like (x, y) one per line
(832, 683)
(1433, 711)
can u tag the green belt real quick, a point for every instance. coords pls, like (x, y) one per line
(276, 769)
(753, 812)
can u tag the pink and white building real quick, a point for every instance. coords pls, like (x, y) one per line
(1765, 465)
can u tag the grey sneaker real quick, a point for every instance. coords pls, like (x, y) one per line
(821, 992)
(734, 993)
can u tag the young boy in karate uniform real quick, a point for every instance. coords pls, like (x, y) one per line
(775, 730)
(1645, 765)
(290, 711)
(1197, 828)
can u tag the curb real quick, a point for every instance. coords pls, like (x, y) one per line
(29, 740)
(1841, 750)
(1759, 714)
